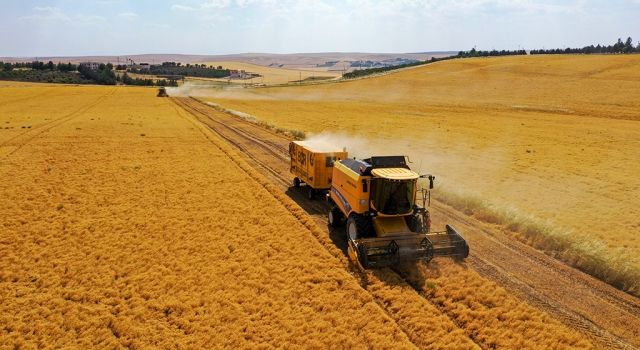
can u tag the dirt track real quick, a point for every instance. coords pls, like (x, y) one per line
(608, 317)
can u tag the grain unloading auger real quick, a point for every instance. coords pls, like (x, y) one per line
(384, 225)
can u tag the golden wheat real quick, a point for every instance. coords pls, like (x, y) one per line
(125, 224)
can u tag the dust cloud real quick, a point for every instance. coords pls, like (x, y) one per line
(213, 90)
(362, 147)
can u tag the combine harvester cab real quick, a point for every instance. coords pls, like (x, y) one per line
(313, 165)
(376, 197)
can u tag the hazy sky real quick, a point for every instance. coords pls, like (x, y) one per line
(100, 27)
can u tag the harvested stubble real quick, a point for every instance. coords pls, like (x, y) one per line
(111, 239)
(491, 316)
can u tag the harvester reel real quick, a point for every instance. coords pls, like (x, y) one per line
(392, 248)
(363, 259)
(427, 246)
(463, 251)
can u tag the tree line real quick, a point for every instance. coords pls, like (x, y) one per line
(190, 70)
(127, 80)
(480, 53)
(364, 72)
(39, 65)
(69, 73)
(37, 71)
(619, 47)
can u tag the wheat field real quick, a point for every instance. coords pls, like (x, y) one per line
(125, 223)
(554, 139)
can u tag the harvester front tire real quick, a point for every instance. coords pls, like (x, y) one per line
(296, 182)
(358, 227)
(416, 223)
(335, 216)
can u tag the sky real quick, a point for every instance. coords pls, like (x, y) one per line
(121, 27)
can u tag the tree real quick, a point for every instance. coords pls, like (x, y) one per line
(628, 45)
(7, 66)
(619, 46)
(102, 76)
(37, 65)
(50, 65)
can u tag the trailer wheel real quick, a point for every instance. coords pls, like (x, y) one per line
(358, 227)
(335, 216)
(296, 182)
(311, 193)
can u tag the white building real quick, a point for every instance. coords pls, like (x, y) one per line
(91, 65)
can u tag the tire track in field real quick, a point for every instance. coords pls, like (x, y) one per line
(606, 315)
(24, 138)
(318, 208)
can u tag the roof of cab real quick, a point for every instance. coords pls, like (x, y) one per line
(395, 173)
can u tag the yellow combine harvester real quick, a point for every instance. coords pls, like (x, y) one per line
(377, 198)
(384, 225)
(162, 92)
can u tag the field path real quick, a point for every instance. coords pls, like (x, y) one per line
(608, 317)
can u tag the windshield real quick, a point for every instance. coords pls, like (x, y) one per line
(392, 197)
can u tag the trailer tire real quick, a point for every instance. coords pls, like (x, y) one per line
(358, 226)
(296, 182)
(335, 216)
(311, 193)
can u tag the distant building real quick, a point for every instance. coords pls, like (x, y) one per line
(141, 66)
(241, 74)
(91, 65)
